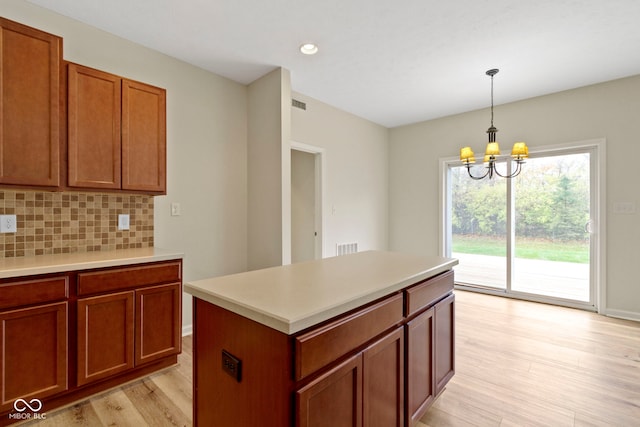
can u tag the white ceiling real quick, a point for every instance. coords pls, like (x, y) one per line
(391, 62)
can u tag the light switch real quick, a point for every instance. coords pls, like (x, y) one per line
(123, 221)
(175, 209)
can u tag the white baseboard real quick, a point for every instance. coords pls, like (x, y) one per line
(622, 314)
(187, 330)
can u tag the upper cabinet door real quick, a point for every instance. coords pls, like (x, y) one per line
(143, 137)
(29, 105)
(93, 128)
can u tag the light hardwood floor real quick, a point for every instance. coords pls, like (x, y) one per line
(518, 364)
(527, 364)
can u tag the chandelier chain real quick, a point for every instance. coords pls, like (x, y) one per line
(492, 100)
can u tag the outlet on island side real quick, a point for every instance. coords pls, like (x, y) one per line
(232, 365)
(8, 224)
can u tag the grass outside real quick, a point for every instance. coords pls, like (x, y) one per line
(577, 252)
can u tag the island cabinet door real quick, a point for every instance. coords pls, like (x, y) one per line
(383, 381)
(105, 336)
(444, 342)
(420, 365)
(334, 399)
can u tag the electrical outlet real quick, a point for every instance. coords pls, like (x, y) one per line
(123, 221)
(232, 365)
(8, 224)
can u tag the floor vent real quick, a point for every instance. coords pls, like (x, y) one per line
(346, 248)
(298, 104)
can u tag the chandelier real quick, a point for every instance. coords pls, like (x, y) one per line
(519, 152)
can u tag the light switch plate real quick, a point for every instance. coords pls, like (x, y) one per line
(625, 208)
(8, 224)
(123, 221)
(175, 209)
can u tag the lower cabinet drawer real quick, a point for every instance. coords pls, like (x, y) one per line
(116, 279)
(428, 292)
(37, 291)
(320, 347)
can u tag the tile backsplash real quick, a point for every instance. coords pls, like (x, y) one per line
(54, 222)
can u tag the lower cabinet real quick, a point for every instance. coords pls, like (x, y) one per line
(64, 337)
(383, 381)
(105, 336)
(33, 353)
(352, 391)
(430, 356)
(338, 392)
(444, 342)
(420, 357)
(34, 322)
(121, 330)
(158, 322)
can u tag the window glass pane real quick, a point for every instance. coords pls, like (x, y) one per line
(551, 220)
(479, 224)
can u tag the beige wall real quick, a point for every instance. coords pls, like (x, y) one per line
(269, 210)
(206, 143)
(356, 173)
(609, 110)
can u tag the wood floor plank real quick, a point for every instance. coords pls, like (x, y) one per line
(155, 407)
(536, 364)
(178, 388)
(115, 409)
(79, 415)
(460, 410)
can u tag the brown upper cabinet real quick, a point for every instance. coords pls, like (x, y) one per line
(116, 132)
(94, 131)
(29, 106)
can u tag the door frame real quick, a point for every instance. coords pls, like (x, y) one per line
(598, 239)
(320, 186)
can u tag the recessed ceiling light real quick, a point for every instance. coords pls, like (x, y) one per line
(309, 49)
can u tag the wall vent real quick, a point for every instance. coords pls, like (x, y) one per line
(346, 248)
(298, 104)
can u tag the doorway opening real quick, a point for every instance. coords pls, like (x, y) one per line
(306, 202)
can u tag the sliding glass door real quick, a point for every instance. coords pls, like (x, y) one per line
(529, 236)
(552, 221)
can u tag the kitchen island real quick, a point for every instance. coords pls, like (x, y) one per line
(361, 339)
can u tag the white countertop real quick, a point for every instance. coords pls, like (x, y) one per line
(294, 297)
(46, 264)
